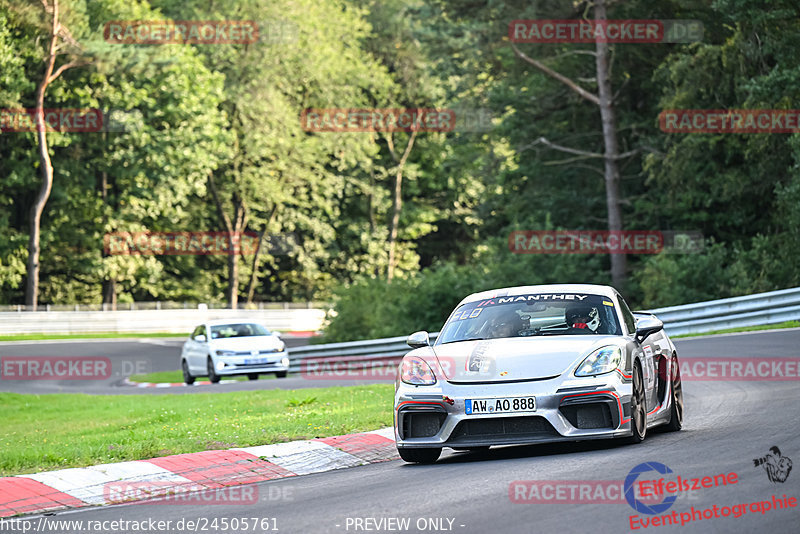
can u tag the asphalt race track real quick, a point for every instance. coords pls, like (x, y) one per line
(128, 357)
(727, 425)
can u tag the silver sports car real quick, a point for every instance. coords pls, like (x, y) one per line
(535, 364)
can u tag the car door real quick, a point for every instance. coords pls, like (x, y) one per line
(198, 349)
(187, 348)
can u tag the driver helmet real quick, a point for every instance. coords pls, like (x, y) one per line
(242, 331)
(583, 316)
(505, 326)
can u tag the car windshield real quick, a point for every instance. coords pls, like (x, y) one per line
(238, 330)
(532, 315)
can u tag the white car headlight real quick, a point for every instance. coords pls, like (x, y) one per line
(603, 360)
(285, 362)
(416, 371)
(226, 353)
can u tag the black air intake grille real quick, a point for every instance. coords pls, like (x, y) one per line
(508, 427)
(591, 415)
(422, 425)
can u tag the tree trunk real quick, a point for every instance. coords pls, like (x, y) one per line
(32, 287)
(397, 200)
(251, 285)
(234, 230)
(233, 281)
(604, 99)
(397, 205)
(110, 294)
(611, 169)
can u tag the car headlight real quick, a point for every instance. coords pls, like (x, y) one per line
(416, 371)
(282, 347)
(285, 362)
(226, 353)
(603, 360)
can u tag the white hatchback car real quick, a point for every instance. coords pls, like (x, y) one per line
(227, 348)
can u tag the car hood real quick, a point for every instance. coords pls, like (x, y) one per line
(520, 358)
(248, 343)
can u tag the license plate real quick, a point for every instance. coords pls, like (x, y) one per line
(500, 405)
(251, 361)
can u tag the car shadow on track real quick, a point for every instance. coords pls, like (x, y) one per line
(515, 452)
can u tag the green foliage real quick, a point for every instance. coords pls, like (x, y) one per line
(184, 113)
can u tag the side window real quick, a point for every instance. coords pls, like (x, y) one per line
(199, 330)
(627, 316)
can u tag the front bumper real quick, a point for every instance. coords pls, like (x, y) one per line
(245, 364)
(567, 409)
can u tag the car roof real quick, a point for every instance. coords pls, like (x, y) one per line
(239, 320)
(605, 291)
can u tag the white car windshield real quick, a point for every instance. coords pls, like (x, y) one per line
(238, 330)
(532, 315)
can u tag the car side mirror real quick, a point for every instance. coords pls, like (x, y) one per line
(276, 334)
(646, 326)
(200, 338)
(418, 339)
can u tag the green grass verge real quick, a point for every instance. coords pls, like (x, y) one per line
(93, 335)
(45, 432)
(787, 324)
(173, 377)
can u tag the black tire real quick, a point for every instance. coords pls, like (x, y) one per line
(281, 374)
(212, 375)
(252, 376)
(419, 456)
(676, 413)
(638, 407)
(187, 377)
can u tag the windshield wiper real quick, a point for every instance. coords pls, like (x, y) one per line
(460, 340)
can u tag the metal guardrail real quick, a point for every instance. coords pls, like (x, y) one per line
(164, 305)
(736, 312)
(356, 354)
(150, 321)
(751, 310)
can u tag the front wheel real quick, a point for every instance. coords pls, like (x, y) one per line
(676, 413)
(213, 377)
(281, 374)
(187, 377)
(252, 376)
(419, 456)
(638, 407)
